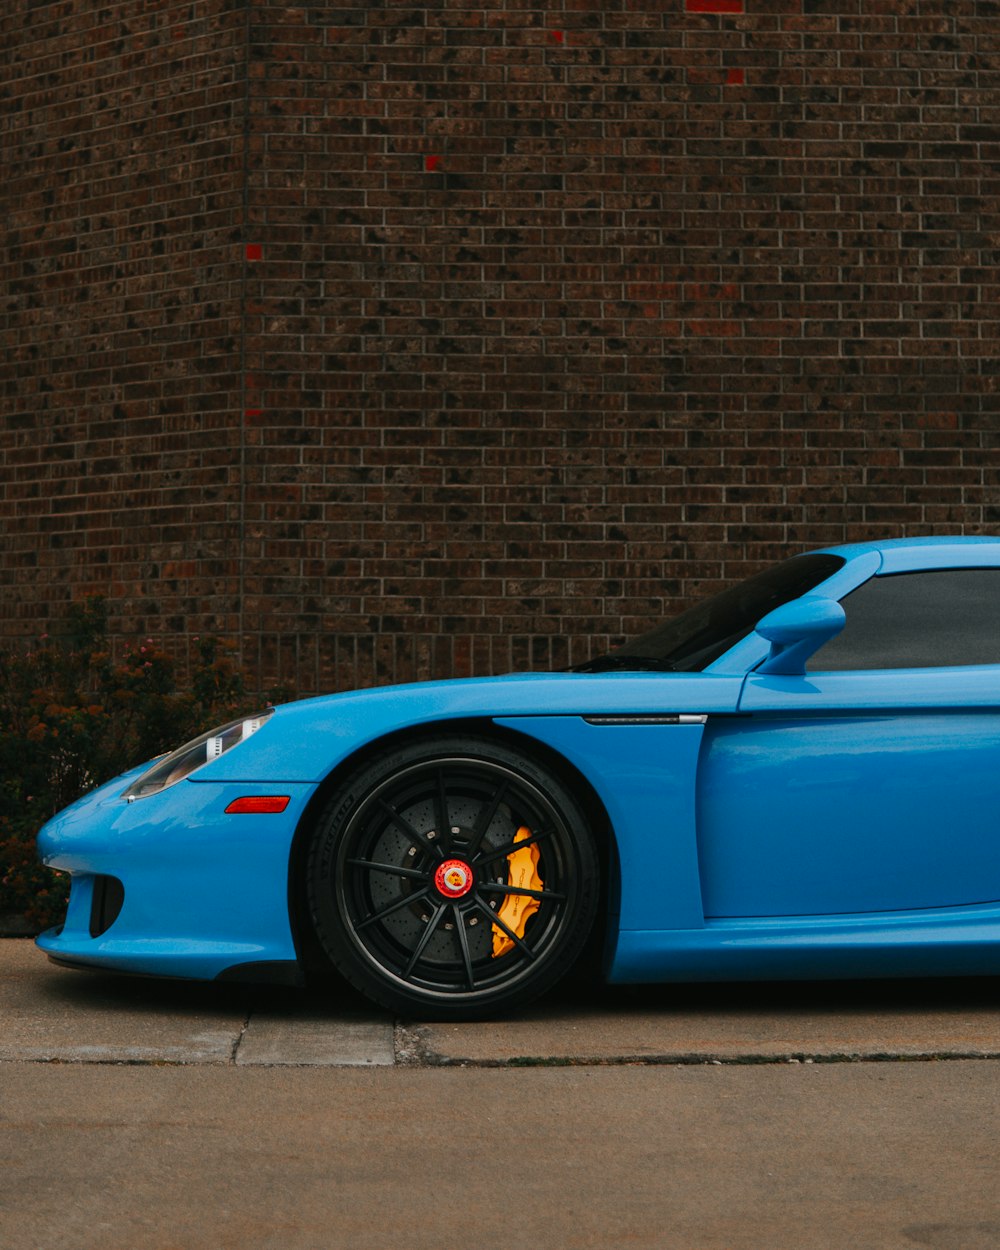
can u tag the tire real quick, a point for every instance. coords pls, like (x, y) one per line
(452, 879)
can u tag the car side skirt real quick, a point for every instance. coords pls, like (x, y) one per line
(949, 942)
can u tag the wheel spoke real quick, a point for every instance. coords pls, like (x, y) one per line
(463, 943)
(495, 919)
(497, 887)
(425, 937)
(485, 818)
(509, 848)
(392, 869)
(405, 901)
(432, 848)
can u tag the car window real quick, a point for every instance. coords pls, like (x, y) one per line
(935, 618)
(699, 636)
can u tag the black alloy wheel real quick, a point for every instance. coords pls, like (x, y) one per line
(453, 879)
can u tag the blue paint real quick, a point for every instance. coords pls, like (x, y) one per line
(954, 942)
(818, 815)
(644, 775)
(203, 890)
(304, 740)
(819, 824)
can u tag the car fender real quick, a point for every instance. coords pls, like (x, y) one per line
(307, 740)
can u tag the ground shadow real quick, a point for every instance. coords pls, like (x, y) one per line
(332, 996)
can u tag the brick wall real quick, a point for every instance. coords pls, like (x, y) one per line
(426, 341)
(120, 293)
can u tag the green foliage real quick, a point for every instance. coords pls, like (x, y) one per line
(73, 717)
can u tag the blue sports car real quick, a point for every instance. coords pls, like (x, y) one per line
(798, 778)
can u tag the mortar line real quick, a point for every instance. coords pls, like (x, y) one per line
(242, 351)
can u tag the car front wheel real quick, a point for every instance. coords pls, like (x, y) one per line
(453, 878)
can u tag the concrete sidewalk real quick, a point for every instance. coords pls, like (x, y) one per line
(52, 1014)
(155, 1115)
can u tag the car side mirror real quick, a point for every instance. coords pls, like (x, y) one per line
(796, 630)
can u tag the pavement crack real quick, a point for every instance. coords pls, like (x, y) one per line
(238, 1040)
(432, 1059)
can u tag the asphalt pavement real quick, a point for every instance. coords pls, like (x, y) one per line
(173, 1116)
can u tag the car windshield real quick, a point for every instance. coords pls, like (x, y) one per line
(698, 637)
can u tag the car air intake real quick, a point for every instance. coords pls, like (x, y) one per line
(109, 894)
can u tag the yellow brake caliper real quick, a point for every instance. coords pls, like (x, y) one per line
(522, 871)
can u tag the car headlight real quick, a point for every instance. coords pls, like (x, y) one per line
(182, 762)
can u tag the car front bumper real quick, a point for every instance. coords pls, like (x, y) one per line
(203, 894)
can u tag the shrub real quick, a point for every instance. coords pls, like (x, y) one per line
(73, 717)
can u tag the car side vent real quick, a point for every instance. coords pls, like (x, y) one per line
(676, 718)
(109, 894)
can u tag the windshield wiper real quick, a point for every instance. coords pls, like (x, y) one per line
(616, 662)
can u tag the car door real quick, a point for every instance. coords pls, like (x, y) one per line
(871, 783)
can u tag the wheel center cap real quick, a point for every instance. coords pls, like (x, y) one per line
(453, 878)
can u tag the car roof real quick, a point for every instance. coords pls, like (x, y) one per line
(902, 555)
